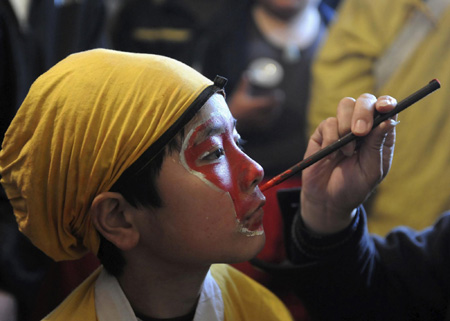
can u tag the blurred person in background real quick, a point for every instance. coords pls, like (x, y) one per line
(35, 35)
(166, 28)
(391, 48)
(174, 28)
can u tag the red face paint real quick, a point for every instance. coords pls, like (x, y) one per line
(210, 151)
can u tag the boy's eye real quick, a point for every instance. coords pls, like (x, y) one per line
(216, 154)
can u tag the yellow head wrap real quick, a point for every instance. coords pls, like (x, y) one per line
(82, 124)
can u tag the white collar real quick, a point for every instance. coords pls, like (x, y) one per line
(111, 303)
(21, 9)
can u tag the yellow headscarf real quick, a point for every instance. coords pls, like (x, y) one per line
(81, 125)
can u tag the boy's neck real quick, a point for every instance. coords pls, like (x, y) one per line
(164, 292)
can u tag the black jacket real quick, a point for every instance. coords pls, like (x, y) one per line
(354, 275)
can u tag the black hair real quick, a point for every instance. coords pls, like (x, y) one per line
(140, 191)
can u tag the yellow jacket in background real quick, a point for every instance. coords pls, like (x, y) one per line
(417, 188)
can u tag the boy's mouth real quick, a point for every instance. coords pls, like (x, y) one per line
(252, 222)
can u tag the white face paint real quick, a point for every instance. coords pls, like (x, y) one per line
(188, 140)
(211, 152)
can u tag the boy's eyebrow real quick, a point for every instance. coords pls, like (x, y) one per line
(211, 130)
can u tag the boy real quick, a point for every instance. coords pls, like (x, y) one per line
(136, 158)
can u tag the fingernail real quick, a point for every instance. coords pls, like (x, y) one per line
(360, 126)
(384, 102)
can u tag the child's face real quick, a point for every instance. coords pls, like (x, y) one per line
(212, 207)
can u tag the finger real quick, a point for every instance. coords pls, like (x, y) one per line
(325, 134)
(385, 131)
(385, 104)
(362, 119)
(330, 131)
(389, 127)
(344, 116)
(377, 150)
(315, 141)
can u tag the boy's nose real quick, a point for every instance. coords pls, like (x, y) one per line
(251, 175)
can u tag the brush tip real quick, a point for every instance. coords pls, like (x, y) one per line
(436, 81)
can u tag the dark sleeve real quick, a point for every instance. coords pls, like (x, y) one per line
(353, 275)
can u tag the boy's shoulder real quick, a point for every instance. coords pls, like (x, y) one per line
(246, 299)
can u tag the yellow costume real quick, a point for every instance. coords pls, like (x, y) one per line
(418, 181)
(84, 122)
(241, 298)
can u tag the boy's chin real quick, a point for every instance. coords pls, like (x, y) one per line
(254, 245)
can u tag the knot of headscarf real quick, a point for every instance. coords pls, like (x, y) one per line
(82, 124)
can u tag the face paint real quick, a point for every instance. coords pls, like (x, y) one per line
(210, 152)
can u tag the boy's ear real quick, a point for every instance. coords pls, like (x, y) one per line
(112, 216)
